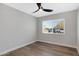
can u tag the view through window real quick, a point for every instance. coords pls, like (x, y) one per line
(53, 26)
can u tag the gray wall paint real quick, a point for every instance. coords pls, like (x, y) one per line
(78, 31)
(70, 36)
(16, 28)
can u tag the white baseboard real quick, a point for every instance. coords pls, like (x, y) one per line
(78, 50)
(12, 49)
(57, 44)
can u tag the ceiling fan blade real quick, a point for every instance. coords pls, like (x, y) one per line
(47, 10)
(36, 11)
(39, 5)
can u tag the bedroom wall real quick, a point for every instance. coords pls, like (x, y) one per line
(69, 38)
(78, 31)
(16, 29)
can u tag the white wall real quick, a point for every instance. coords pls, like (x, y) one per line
(16, 28)
(70, 36)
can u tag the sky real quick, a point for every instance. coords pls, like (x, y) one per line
(53, 22)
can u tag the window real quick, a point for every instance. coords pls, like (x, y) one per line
(53, 26)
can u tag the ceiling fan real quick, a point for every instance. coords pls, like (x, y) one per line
(40, 7)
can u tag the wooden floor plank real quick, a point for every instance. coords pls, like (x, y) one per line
(43, 49)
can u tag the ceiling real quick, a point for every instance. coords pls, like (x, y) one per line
(57, 7)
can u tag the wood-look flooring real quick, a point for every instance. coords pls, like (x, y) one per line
(43, 49)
